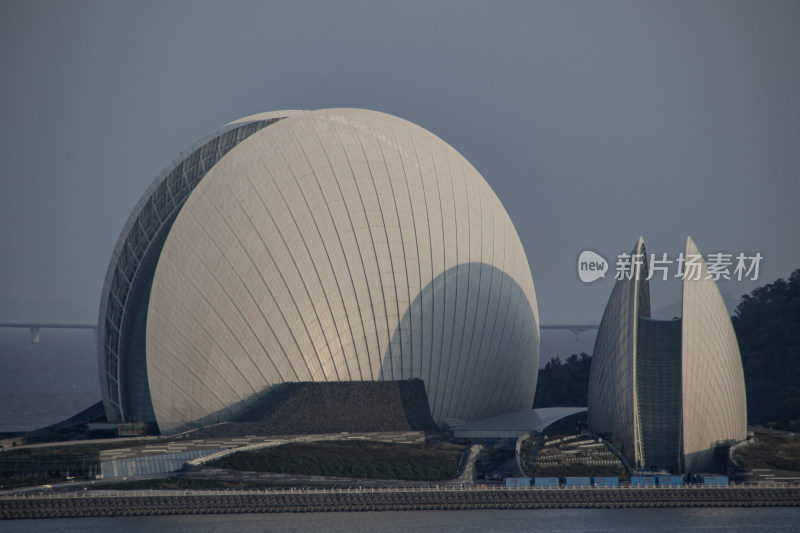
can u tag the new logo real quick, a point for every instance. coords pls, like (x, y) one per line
(591, 266)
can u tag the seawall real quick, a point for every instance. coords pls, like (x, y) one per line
(144, 503)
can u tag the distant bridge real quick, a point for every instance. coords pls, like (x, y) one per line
(36, 327)
(577, 329)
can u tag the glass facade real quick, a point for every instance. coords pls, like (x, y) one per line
(123, 308)
(658, 392)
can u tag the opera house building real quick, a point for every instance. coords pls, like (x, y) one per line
(670, 392)
(329, 246)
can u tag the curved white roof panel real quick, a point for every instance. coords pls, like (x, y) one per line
(714, 402)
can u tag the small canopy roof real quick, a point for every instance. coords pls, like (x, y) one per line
(519, 422)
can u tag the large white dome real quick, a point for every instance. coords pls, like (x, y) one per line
(331, 245)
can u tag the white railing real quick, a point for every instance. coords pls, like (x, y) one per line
(357, 490)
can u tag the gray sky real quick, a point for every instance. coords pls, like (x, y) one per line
(594, 122)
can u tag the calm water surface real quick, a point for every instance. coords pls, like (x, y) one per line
(551, 520)
(41, 384)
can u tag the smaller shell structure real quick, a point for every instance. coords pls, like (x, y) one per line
(669, 391)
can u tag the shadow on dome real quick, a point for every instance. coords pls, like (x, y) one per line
(472, 337)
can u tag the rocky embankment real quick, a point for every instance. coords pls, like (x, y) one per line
(386, 500)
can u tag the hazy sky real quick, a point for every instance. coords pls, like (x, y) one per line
(594, 122)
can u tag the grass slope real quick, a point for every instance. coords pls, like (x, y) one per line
(355, 459)
(770, 450)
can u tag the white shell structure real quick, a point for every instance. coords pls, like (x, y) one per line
(714, 401)
(612, 377)
(330, 245)
(669, 391)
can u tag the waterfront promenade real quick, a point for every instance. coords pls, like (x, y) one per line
(163, 502)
